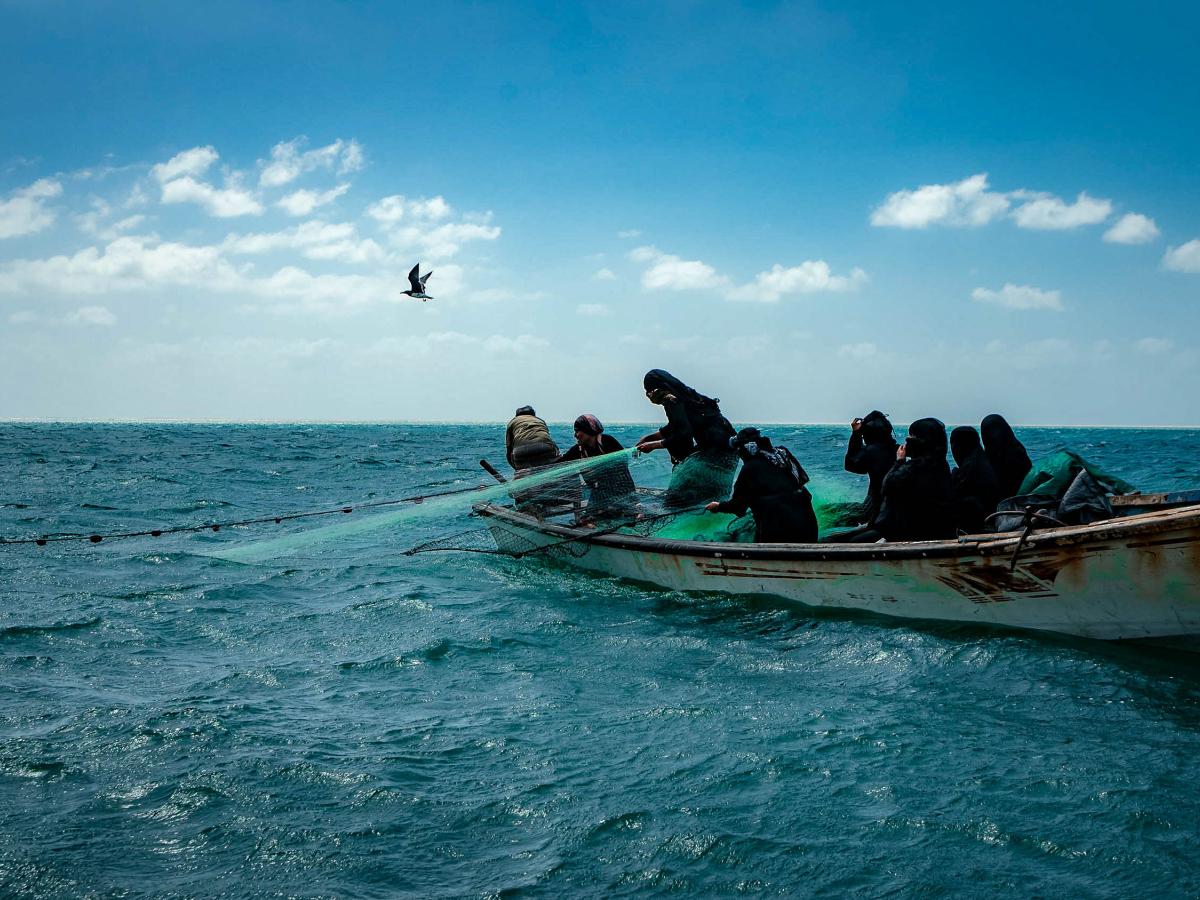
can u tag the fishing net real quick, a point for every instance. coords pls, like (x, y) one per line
(497, 539)
(703, 476)
(699, 479)
(1053, 474)
(596, 495)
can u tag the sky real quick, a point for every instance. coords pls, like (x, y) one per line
(809, 210)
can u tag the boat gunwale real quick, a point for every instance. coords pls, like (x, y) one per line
(1149, 523)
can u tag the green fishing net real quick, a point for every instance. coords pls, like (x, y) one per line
(831, 500)
(703, 476)
(1053, 474)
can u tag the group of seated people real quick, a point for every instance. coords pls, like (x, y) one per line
(912, 493)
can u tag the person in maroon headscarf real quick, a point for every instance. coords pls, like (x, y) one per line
(610, 486)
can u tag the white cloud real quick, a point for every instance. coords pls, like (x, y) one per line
(303, 202)
(1185, 258)
(137, 197)
(315, 239)
(605, 275)
(25, 212)
(130, 264)
(671, 273)
(593, 309)
(224, 203)
(411, 225)
(93, 221)
(435, 342)
(628, 234)
(1018, 296)
(1132, 228)
(270, 351)
(190, 163)
(262, 271)
(353, 158)
(1046, 212)
(962, 203)
(323, 293)
(442, 241)
(809, 277)
(288, 162)
(632, 339)
(864, 350)
(393, 209)
(970, 203)
(91, 315)
(122, 225)
(127, 263)
(1153, 346)
(22, 317)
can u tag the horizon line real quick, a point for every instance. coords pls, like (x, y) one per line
(500, 422)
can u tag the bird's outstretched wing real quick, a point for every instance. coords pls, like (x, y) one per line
(413, 280)
(425, 278)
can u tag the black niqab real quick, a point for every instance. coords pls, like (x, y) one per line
(871, 452)
(917, 503)
(976, 488)
(1008, 456)
(876, 429)
(661, 379)
(926, 438)
(694, 421)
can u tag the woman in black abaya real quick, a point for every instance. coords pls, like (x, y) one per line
(974, 483)
(1007, 455)
(771, 485)
(917, 502)
(697, 437)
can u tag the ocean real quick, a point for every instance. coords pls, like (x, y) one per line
(347, 721)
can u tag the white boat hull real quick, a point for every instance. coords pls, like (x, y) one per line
(1134, 578)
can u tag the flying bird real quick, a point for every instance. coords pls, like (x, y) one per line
(418, 284)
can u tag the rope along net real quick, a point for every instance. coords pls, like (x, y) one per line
(499, 540)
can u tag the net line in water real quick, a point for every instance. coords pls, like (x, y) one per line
(98, 537)
(599, 487)
(501, 541)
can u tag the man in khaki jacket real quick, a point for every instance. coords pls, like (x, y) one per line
(527, 441)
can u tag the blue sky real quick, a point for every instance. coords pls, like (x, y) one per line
(807, 209)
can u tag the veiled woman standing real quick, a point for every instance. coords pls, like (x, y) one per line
(696, 436)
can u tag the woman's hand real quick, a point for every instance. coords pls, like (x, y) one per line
(712, 507)
(647, 446)
(900, 455)
(856, 426)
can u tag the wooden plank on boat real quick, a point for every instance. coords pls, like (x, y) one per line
(1160, 500)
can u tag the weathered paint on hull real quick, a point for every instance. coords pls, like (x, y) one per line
(1110, 589)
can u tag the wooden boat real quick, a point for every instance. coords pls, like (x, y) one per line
(1131, 578)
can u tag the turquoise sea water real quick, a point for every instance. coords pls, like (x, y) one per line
(348, 721)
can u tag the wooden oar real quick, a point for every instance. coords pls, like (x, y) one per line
(491, 470)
